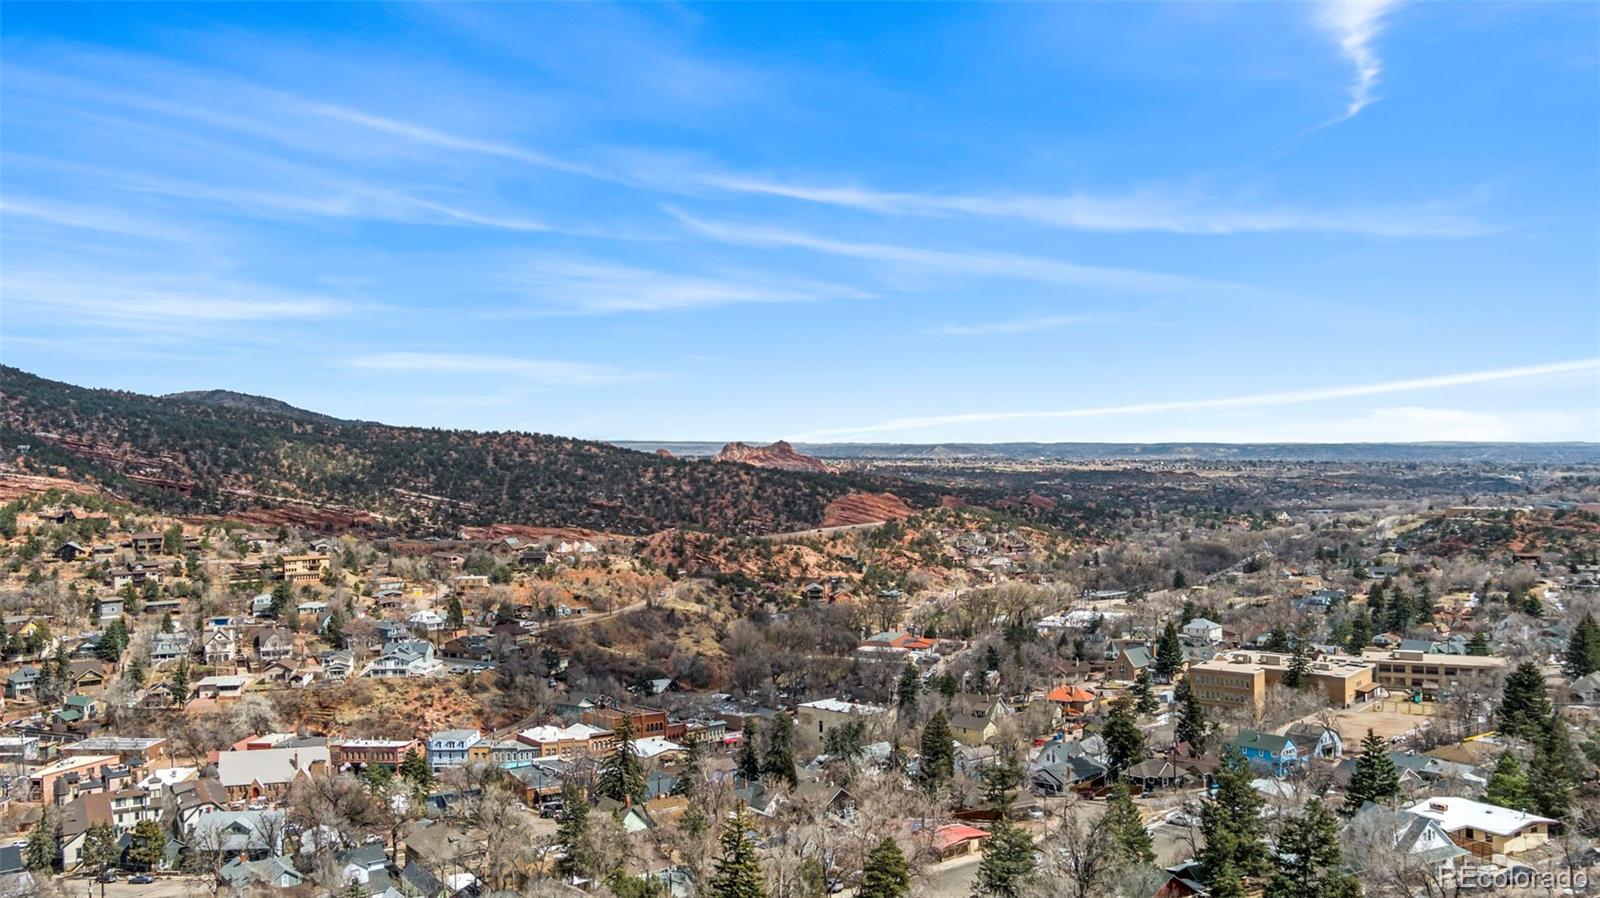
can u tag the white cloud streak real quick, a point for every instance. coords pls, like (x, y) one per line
(597, 287)
(1001, 265)
(546, 372)
(1258, 400)
(1355, 25)
(1015, 326)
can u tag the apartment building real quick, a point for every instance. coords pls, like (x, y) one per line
(304, 568)
(1428, 672)
(1241, 679)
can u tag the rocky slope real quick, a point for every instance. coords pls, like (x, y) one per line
(779, 456)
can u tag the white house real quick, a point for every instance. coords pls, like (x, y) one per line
(427, 620)
(411, 658)
(1202, 631)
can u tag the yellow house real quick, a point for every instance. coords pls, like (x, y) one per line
(304, 568)
(975, 719)
(1486, 830)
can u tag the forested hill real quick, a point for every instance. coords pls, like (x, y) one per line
(187, 456)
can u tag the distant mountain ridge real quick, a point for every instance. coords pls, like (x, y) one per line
(1437, 452)
(250, 402)
(224, 453)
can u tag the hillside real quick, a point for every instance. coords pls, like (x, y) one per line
(247, 402)
(190, 456)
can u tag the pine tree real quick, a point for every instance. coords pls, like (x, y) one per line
(1508, 785)
(737, 872)
(1308, 862)
(1399, 615)
(622, 773)
(1007, 866)
(1583, 649)
(414, 769)
(905, 692)
(1230, 820)
(455, 617)
(39, 855)
(99, 851)
(1192, 725)
(778, 762)
(1298, 676)
(180, 682)
(1478, 645)
(1169, 653)
(1126, 830)
(692, 775)
(1124, 739)
(1360, 633)
(748, 761)
(1277, 640)
(1375, 606)
(1001, 780)
(937, 764)
(1524, 704)
(1552, 775)
(578, 858)
(1144, 696)
(1375, 778)
(886, 873)
(148, 845)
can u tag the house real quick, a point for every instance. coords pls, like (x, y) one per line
(1584, 690)
(108, 609)
(22, 682)
(427, 621)
(1266, 751)
(219, 647)
(823, 715)
(274, 872)
(1157, 774)
(222, 688)
(957, 839)
(364, 868)
(338, 665)
(307, 568)
(135, 574)
(268, 772)
(450, 748)
(975, 719)
(1421, 837)
(271, 644)
(1073, 701)
(69, 552)
(410, 658)
(1316, 740)
(1130, 661)
(1201, 631)
(1485, 830)
(261, 604)
(167, 648)
(255, 835)
(146, 543)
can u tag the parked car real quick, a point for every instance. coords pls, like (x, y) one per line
(143, 879)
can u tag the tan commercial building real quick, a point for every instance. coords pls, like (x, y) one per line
(1427, 672)
(1241, 679)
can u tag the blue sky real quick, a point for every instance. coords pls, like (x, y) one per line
(831, 222)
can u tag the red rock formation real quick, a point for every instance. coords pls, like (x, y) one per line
(780, 456)
(865, 508)
(663, 453)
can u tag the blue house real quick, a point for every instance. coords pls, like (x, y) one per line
(1277, 755)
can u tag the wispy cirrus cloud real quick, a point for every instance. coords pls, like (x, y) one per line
(529, 371)
(1170, 210)
(153, 301)
(555, 285)
(1033, 325)
(1253, 401)
(1355, 25)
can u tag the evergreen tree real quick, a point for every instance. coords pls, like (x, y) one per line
(949, 686)
(1298, 676)
(1126, 830)
(414, 769)
(1169, 654)
(1375, 778)
(1583, 649)
(1124, 739)
(1230, 820)
(1144, 696)
(778, 762)
(1001, 780)
(621, 772)
(1552, 775)
(886, 873)
(1478, 645)
(937, 764)
(1191, 726)
(1007, 866)
(692, 775)
(1308, 862)
(748, 761)
(905, 692)
(180, 681)
(1508, 785)
(737, 872)
(455, 617)
(39, 854)
(1360, 633)
(148, 844)
(991, 659)
(282, 598)
(1524, 704)
(579, 858)
(1375, 606)
(1277, 640)
(99, 851)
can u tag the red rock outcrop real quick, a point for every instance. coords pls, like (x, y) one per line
(865, 508)
(780, 456)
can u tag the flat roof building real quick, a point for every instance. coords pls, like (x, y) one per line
(1241, 679)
